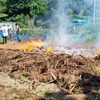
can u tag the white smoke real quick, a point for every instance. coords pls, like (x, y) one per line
(60, 36)
(97, 19)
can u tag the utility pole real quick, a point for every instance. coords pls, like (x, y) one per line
(94, 11)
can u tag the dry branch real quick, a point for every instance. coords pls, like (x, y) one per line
(49, 66)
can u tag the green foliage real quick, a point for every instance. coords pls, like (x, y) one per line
(35, 31)
(1, 40)
(25, 79)
(41, 11)
(93, 96)
(97, 89)
(96, 71)
(3, 8)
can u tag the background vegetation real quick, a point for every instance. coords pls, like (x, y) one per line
(39, 12)
(33, 14)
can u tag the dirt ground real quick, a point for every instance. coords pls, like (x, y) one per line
(41, 75)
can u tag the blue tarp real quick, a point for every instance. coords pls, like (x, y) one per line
(0, 34)
(25, 36)
(80, 21)
(22, 36)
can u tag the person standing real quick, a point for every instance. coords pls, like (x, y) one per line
(4, 30)
(17, 28)
(10, 31)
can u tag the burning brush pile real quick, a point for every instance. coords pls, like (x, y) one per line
(37, 64)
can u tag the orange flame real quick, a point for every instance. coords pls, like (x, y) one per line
(31, 45)
(98, 52)
(50, 49)
(2, 46)
(39, 43)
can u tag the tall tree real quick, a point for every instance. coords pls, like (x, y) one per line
(3, 9)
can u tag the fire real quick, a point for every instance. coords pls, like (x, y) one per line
(98, 51)
(39, 43)
(50, 49)
(2, 46)
(26, 47)
(31, 45)
(22, 47)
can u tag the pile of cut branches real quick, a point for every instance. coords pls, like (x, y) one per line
(70, 73)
